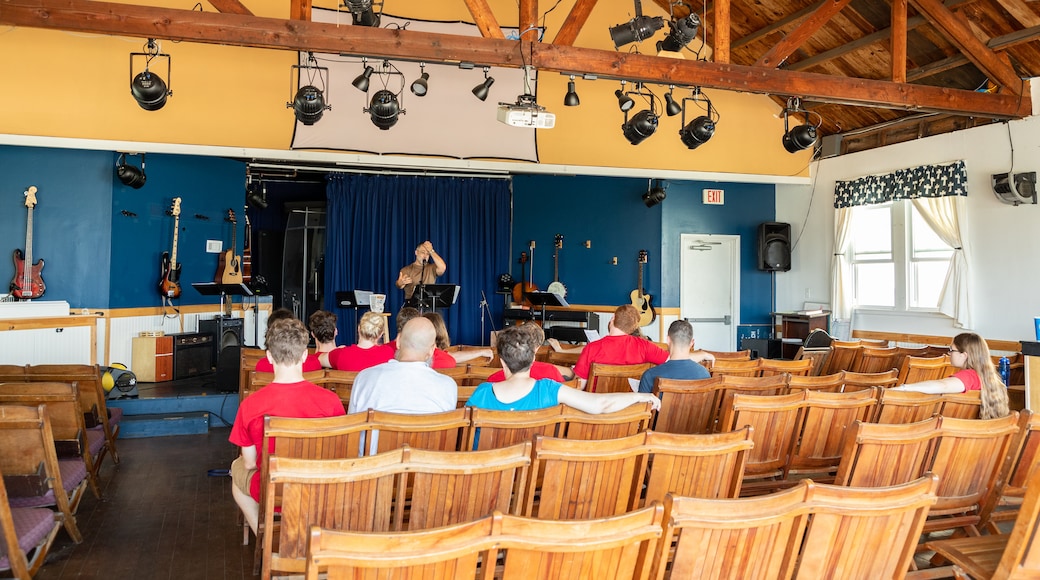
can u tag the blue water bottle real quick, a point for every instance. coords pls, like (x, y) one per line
(1004, 368)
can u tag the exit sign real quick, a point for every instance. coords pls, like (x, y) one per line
(714, 196)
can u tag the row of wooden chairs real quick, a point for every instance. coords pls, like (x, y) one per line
(26, 535)
(811, 531)
(761, 367)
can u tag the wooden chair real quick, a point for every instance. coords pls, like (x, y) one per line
(772, 367)
(822, 383)
(875, 359)
(843, 357)
(734, 368)
(755, 537)
(33, 474)
(705, 466)
(932, 351)
(1015, 555)
(904, 351)
(775, 422)
(818, 356)
(564, 359)
(585, 479)
(580, 426)
(964, 405)
(730, 355)
(874, 342)
(862, 532)
(826, 419)
(92, 397)
(605, 378)
(686, 406)
(434, 431)
(339, 382)
(493, 429)
(247, 359)
(916, 369)
(13, 373)
(482, 361)
(905, 406)
(475, 375)
(763, 386)
(25, 532)
(1003, 505)
(259, 380)
(878, 455)
(858, 381)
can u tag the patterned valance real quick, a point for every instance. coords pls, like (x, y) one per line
(923, 181)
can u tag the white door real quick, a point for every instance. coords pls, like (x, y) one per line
(710, 293)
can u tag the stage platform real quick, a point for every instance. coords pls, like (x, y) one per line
(188, 406)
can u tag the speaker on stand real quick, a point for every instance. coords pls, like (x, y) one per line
(227, 344)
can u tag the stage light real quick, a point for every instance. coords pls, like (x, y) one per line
(642, 125)
(308, 102)
(384, 109)
(654, 195)
(128, 174)
(421, 85)
(698, 131)
(571, 99)
(361, 81)
(256, 193)
(680, 34)
(670, 106)
(362, 13)
(481, 91)
(639, 28)
(799, 137)
(148, 88)
(624, 102)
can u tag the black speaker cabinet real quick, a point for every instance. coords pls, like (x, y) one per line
(762, 347)
(774, 247)
(192, 355)
(226, 332)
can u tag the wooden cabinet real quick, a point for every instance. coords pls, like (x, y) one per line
(796, 326)
(153, 358)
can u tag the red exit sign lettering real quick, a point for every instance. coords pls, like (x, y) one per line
(714, 196)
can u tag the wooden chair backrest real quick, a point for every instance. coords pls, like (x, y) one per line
(445, 431)
(483, 361)
(585, 479)
(822, 383)
(734, 367)
(454, 372)
(764, 386)
(686, 406)
(775, 421)
(845, 522)
(247, 359)
(259, 380)
(13, 373)
(843, 357)
(906, 406)
(730, 355)
(826, 419)
(478, 374)
(964, 405)
(493, 429)
(875, 359)
(878, 455)
(339, 382)
(1022, 456)
(705, 466)
(818, 356)
(92, 395)
(564, 359)
(582, 426)
(756, 537)
(858, 381)
(604, 378)
(770, 367)
(904, 351)
(1022, 555)
(916, 369)
(932, 351)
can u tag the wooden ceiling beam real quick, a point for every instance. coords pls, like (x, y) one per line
(299, 10)
(575, 21)
(898, 43)
(779, 24)
(803, 32)
(485, 20)
(529, 20)
(100, 17)
(997, 43)
(231, 7)
(722, 30)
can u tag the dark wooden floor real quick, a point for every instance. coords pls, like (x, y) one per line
(162, 516)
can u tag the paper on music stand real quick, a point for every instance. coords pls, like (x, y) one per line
(591, 334)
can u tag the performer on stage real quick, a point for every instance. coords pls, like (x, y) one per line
(419, 271)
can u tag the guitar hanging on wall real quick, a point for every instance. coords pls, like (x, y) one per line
(643, 302)
(169, 285)
(27, 283)
(557, 287)
(521, 289)
(229, 266)
(247, 250)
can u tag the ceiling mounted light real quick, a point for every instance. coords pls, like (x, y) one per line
(670, 106)
(698, 131)
(571, 99)
(362, 13)
(681, 33)
(256, 193)
(481, 91)
(361, 81)
(148, 88)
(654, 195)
(624, 102)
(799, 137)
(644, 123)
(384, 109)
(128, 174)
(421, 85)
(639, 28)
(309, 103)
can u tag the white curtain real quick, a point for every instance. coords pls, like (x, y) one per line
(943, 215)
(841, 275)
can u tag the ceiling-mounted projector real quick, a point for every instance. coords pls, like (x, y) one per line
(526, 112)
(1022, 189)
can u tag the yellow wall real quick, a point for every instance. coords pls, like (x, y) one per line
(76, 85)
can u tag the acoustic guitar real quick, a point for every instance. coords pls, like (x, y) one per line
(27, 283)
(229, 265)
(247, 250)
(169, 282)
(643, 302)
(557, 287)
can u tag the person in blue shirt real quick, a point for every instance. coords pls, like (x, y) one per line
(681, 364)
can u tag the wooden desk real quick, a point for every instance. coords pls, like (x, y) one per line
(799, 325)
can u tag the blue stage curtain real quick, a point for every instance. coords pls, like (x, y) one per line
(374, 223)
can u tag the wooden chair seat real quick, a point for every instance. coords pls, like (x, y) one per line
(26, 535)
(604, 378)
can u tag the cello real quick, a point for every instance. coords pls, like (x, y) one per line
(521, 288)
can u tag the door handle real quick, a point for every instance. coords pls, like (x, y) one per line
(727, 320)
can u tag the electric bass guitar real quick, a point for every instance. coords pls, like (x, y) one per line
(557, 287)
(229, 265)
(169, 283)
(27, 283)
(643, 302)
(247, 250)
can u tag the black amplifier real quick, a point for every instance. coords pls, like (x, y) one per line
(193, 354)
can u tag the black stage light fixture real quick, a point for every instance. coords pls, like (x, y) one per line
(362, 13)
(799, 137)
(644, 123)
(384, 109)
(670, 106)
(681, 32)
(624, 102)
(148, 88)
(639, 28)
(481, 91)
(128, 174)
(309, 102)
(654, 195)
(421, 85)
(571, 99)
(256, 193)
(698, 131)
(361, 81)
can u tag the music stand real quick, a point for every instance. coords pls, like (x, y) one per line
(223, 290)
(354, 300)
(544, 299)
(433, 296)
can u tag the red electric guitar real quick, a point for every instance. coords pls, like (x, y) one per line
(171, 270)
(27, 283)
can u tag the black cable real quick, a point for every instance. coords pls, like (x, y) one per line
(812, 194)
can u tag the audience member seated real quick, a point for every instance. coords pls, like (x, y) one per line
(539, 370)
(367, 352)
(680, 363)
(322, 325)
(287, 396)
(521, 392)
(441, 357)
(619, 347)
(311, 364)
(970, 353)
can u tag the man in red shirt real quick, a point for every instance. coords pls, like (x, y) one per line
(619, 347)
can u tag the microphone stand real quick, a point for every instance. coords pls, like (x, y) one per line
(484, 307)
(422, 288)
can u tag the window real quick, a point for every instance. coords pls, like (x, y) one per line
(898, 261)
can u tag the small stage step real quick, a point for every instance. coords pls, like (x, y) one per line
(162, 424)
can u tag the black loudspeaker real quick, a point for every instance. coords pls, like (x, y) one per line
(762, 347)
(774, 246)
(226, 332)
